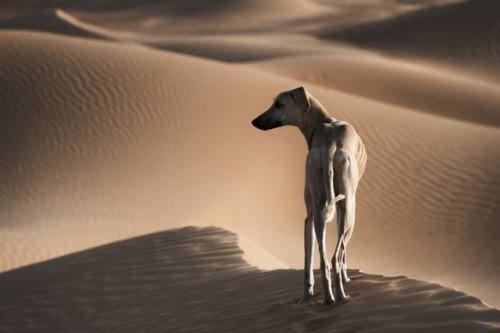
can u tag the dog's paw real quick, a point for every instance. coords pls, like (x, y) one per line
(328, 301)
(306, 297)
(342, 298)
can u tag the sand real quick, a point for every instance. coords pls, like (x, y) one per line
(400, 83)
(460, 35)
(55, 21)
(194, 280)
(111, 136)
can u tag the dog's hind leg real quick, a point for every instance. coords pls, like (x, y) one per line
(316, 185)
(347, 237)
(308, 249)
(320, 227)
(346, 175)
(345, 278)
(339, 256)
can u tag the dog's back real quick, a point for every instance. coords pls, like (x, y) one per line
(341, 135)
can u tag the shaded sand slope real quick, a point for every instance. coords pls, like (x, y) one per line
(228, 48)
(396, 82)
(55, 21)
(239, 48)
(464, 33)
(249, 9)
(223, 16)
(194, 280)
(104, 141)
(188, 16)
(187, 8)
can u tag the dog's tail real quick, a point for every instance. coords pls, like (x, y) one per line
(331, 199)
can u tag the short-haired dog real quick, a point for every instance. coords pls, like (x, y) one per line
(334, 166)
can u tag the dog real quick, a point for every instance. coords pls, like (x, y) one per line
(334, 165)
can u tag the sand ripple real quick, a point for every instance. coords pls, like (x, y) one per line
(194, 280)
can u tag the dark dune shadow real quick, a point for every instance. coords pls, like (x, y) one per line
(195, 280)
(464, 33)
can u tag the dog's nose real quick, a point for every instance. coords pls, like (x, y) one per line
(254, 122)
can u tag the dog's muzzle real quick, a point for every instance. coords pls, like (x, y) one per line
(264, 125)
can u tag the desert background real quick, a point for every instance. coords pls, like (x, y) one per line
(136, 196)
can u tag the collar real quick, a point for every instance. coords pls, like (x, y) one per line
(326, 121)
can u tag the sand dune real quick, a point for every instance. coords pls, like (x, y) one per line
(105, 141)
(113, 136)
(396, 82)
(238, 48)
(465, 33)
(197, 16)
(55, 21)
(224, 16)
(254, 9)
(228, 48)
(188, 8)
(194, 280)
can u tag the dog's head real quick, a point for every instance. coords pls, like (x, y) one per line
(288, 108)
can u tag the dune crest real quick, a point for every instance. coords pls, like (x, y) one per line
(256, 9)
(54, 21)
(236, 48)
(196, 280)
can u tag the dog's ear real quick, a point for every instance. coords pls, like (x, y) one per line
(301, 97)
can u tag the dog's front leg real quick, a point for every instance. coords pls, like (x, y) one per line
(309, 236)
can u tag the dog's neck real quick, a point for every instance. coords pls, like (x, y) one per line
(316, 116)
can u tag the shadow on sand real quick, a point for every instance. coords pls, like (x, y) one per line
(195, 280)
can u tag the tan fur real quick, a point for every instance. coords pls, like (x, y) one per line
(334, 165)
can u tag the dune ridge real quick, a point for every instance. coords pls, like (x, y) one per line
(106, 141)
(194, 279)
(237, 48)
(54, 21)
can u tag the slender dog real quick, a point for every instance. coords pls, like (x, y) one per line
(334, 165)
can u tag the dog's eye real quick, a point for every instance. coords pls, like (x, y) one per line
(278, 105)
